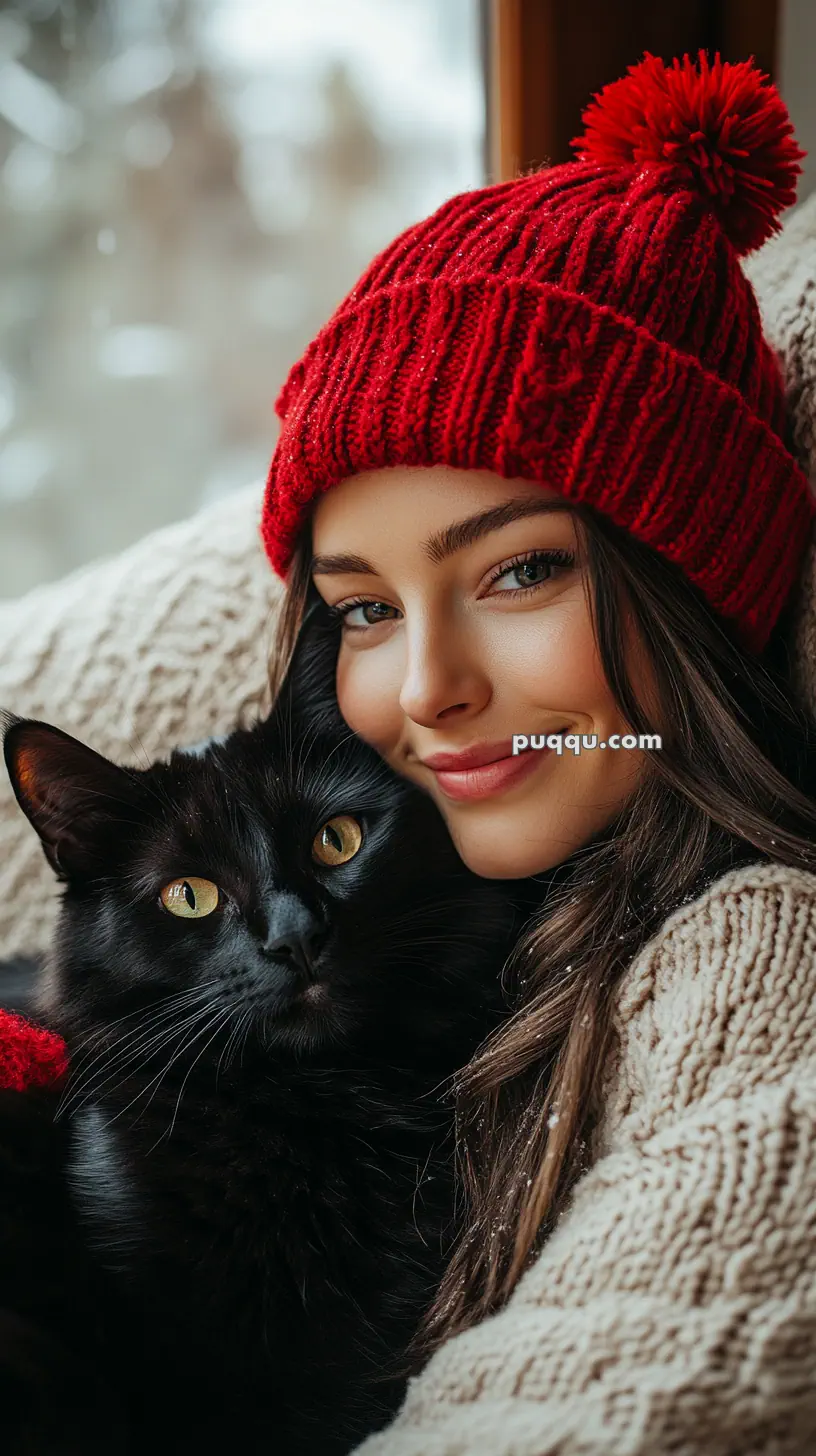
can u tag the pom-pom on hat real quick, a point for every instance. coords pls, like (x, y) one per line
(588, 326)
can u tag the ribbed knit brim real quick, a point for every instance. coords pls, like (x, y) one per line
(529, 381)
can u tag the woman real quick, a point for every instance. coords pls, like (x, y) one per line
(536, 470)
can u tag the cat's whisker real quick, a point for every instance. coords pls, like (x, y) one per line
(341, 744)
(299, 774)
(165, 1069)
(141, 748)
(247, 1030)
(238, 1014)
(222, 1018)
(166, 1008)
(156, 791)
(91, 1086)
(82, 1073)
(242, 1015)
(98, 1033)
(225, 1018)
(153, 1039)
(305, 744)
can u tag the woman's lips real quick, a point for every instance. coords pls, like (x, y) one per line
(480, 782)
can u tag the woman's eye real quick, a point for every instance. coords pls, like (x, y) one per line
(191, 898)
(377, 612)
(337, 841)
(534, 571)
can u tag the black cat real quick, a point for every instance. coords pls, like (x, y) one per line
(269, 960)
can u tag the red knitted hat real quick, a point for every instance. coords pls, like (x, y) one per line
(588, 326)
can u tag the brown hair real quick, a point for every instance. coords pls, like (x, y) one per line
(733, 783)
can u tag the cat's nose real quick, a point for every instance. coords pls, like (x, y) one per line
(292, 932)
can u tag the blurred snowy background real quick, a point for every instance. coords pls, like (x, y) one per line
(187, 188)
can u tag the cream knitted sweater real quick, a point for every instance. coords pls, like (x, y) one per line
(673, 1309)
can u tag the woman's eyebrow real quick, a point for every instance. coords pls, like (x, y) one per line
(450, 539)
(340, 565)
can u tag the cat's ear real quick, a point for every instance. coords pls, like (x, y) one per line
(72, 796)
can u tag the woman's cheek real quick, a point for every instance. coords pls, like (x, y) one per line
(548, 660)
(368, 692)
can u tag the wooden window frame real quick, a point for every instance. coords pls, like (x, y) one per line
(544, 59)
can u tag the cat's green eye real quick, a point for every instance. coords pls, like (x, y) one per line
(191, 898)
(337, 841)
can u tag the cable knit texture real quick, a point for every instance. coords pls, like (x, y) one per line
(673, 1310)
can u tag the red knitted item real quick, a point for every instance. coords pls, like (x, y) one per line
(588, 326)
(30, 1056)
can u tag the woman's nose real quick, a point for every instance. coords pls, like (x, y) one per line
(443, 676)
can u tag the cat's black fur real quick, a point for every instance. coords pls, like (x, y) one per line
(263, 1184)
(54, 1400)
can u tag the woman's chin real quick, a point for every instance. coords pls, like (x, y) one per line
(499, 848)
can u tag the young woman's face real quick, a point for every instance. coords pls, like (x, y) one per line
(466, 622)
